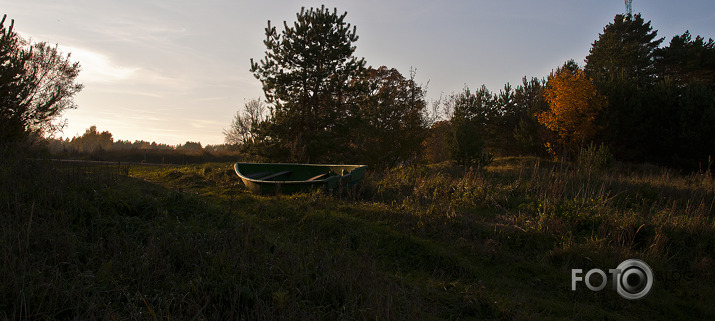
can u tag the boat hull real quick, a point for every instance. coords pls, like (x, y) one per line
(284, 178)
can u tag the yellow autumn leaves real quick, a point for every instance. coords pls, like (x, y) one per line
(574, 103)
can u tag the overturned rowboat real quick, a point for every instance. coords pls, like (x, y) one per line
(267, 178)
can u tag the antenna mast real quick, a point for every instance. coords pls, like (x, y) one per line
(629, 8)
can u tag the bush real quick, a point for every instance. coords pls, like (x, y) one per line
(594, 157)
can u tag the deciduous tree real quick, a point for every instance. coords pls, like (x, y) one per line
(386, 122)
(92, 141)
(245, 123)
(574, 103)
(436, 144)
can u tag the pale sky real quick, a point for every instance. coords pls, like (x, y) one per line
(177, 71)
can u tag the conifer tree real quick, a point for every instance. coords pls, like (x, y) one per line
(37, 83)
(306, 74)
(625, 49)
(622, 65)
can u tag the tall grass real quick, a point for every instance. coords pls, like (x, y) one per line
(565, 216)
(622, 208)
(423, 242)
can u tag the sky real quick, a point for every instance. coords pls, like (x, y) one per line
(178, 71)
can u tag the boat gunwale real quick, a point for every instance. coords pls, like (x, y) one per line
(292, 182)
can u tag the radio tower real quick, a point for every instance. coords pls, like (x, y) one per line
(628, 8)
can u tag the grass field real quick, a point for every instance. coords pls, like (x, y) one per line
(429, 242)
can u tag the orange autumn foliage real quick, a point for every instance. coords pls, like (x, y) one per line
(574, 103)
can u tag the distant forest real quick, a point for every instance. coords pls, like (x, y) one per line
(95, 145)
(93, 141)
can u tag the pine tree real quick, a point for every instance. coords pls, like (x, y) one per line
(37, 84)
(624, 49)
(622, 65)
(12, 70)
(475, 115)
(687, 60)
(306, 74)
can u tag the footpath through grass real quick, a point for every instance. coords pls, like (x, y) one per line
(431, 242)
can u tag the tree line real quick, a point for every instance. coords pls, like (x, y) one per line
(637, 99)
(94, 141)
(101, 146)
(640, 101)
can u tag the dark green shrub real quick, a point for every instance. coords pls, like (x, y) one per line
(595, 157)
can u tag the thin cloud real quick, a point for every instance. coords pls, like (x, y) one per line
(98, 68)
(205, 123)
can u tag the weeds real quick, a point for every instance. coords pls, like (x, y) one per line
(423, 242)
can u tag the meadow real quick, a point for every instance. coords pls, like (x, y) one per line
(422, 242)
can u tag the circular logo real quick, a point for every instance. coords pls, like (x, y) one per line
(635, 280)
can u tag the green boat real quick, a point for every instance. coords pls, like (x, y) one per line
(269, 178)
